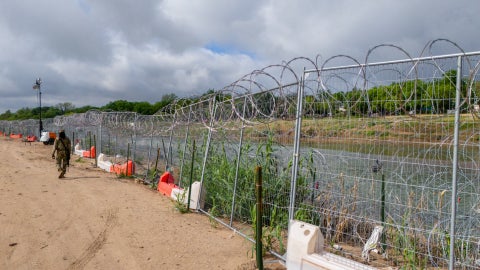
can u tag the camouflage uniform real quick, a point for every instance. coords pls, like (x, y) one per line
(61, 149)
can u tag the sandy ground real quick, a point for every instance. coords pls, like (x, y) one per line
(95, 220)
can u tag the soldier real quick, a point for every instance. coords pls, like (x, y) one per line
(63, 147)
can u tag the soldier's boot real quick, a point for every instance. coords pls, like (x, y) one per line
(62, 175)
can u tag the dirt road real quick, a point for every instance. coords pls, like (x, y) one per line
(95, 220)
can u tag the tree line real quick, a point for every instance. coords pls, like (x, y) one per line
(67, 108)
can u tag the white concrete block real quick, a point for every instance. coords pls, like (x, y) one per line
(195, 201)
(303, 239)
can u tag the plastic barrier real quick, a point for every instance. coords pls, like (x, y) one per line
(166, 184)
(167, 187)
(305, 250)
(104, 164)
(16, 136)
(167, 177)
(126, 168)
(90, 153)
(32, 138)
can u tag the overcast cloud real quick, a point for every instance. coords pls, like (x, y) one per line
(91, 52)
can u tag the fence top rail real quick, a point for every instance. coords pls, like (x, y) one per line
(417, 59)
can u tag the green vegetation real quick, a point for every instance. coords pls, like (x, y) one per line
(68, 108)
(179, 205)
(142, 107)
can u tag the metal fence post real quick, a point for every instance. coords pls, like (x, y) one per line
(99, 131)
(207, 146)
(134, 139)
(451, 263)
(191, 176)
(170, 152)
(149, 155)
(96, 153)
(259, 213)
(185, 145)
(296, 147)
(240, 145)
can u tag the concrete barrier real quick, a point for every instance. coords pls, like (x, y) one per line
(177, 193)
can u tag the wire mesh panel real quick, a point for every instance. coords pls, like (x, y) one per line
(379, 150)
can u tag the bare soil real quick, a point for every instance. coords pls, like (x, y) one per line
(94, 220)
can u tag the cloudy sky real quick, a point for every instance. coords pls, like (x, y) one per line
(91, 52)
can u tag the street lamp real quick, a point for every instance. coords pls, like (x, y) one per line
(37, 85)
